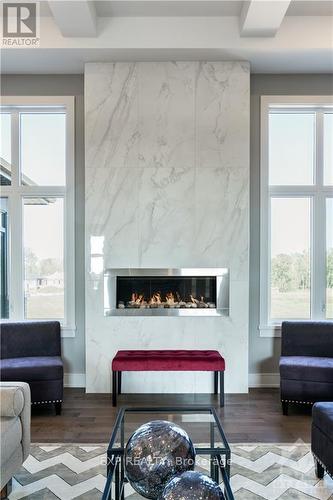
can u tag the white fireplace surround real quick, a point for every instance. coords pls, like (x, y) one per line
(167, 186)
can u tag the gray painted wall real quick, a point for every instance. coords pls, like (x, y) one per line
(264, 352)
(72, 85)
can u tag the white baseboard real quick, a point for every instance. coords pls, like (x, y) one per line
(74, 380)
(264, 380)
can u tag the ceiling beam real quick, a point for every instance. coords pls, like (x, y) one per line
(74, 18)
(262, 18)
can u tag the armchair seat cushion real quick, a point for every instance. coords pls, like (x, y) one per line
(31, 368)
(322, 414)
(307, 368)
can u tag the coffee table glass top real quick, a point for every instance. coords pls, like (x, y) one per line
(201, 423)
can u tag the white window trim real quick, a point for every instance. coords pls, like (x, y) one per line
(15, 192)
(267, 328)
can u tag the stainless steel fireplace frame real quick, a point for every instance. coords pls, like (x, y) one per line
(222, 291)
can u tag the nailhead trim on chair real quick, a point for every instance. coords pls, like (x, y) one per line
(323, 465)
(45, 402)
(294, 401)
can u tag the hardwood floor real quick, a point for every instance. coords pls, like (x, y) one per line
(253, 417)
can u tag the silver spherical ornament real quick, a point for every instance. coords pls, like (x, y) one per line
(156, 452)
(192, 486)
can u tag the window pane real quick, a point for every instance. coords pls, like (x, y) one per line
(43, 149)
(329, 246)
(328, 149)
(291, 148)
(290, 258)
(4, 295)
(44, 258)
(5, 149)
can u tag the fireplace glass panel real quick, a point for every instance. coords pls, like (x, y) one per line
(149, 292)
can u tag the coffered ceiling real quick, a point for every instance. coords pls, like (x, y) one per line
(279, 36)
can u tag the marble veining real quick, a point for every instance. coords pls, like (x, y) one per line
(166, 216)
(222, 115)
(167, 185)
(112, 130)
(166, 106)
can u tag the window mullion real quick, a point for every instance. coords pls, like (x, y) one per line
(319, 230)
(15, 148)
(264, 219)
(33, 191)
(292, 191)
(16, 256)
(319, 160)
(16, 279)
(319, 258)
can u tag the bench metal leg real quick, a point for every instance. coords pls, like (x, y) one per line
(221, 389)
(216, 382)
(119, 382)
(114, 388)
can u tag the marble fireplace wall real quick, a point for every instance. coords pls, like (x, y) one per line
(167, 185)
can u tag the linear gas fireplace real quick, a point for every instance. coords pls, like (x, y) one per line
(166, 292)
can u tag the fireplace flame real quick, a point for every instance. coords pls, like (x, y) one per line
(155, 299)
(194, 300)
(136, 298)
(173, 300)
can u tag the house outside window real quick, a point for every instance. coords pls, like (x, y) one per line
(37, 209)
(296, 264)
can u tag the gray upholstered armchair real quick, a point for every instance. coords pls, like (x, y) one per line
(306, 363)
(15, 409)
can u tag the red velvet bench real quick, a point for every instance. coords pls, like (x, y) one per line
(167, 360)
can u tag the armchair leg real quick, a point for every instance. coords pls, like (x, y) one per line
(57, 407)
(320, 471)
(284, 408)
(6, 490)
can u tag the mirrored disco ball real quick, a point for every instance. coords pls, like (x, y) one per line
(156, 452)
(192, 486)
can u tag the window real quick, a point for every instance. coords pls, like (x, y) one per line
(43, 240)
(296, 265)
(290, 258)
(36, 153)
(291, 136)
(37, 209)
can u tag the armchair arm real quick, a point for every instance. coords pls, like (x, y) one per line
(15, 401)
(11, 401)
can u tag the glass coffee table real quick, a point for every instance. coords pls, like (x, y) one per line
(202, 424)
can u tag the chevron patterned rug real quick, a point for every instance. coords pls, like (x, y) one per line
(259, 471)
